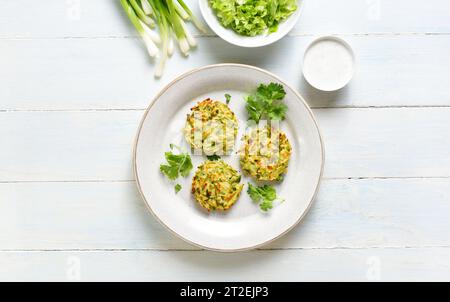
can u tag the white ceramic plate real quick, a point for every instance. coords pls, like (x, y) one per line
(244, 226)
(261, 40)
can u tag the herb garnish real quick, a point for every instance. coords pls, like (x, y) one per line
(264, 195)
(213, 157)
(266, 103)
(177, 188)
(228, 98)
(177, 164)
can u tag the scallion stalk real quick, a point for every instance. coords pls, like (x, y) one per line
(169, 17)
(177, 28)
(164, 30)
(146, 7)
(189, 37)
(152, 34)
(170, 47)
(194, 19)
(181, 12)
(144, 18)
(151, 47)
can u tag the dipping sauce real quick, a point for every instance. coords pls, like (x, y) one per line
(328, 64)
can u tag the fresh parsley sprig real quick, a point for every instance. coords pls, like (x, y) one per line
(177, 164)
(266, 103)
(264, 195)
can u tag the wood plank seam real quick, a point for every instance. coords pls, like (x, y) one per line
(194, 249)
(201, 36)
(143, 109)
(132, 180)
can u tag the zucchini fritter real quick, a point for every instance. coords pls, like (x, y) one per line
(265, 154)
(216, 185)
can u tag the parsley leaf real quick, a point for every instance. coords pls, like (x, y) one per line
(264, 195)
(178, 164)
(266, 102)
(177, 188)
(273, 91)
(228, 98)
(266, 205)
(213, 157)
(170, 171)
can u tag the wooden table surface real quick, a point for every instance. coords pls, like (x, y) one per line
(75, 81)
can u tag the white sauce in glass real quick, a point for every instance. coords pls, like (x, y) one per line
(328, 64)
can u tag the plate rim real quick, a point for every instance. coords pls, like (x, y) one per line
(167, 87)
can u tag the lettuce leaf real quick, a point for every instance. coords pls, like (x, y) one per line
(253, 17)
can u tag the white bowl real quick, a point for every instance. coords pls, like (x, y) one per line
(257, 41)
(328, 63)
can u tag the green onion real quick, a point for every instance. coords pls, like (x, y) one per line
(164, 30)
(170, 11)
(146, 7)
(181, 12)
(189, 37)
(139, 11)
(196, 21)
(151, 47)
(152, 34)
(170, 46)
(169, 17)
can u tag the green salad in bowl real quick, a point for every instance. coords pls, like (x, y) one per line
(251, 23)
(253, 17)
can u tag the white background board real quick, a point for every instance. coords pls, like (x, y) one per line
(75, 81)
